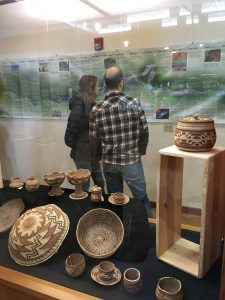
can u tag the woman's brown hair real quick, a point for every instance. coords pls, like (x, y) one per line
(87, 84)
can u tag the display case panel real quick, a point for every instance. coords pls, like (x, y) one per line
(20, 286)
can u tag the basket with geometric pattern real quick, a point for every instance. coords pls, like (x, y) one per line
(195, 134)
(37, 234)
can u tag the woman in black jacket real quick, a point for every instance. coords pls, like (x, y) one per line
(77, 131)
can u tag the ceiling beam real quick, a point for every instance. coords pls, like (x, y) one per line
(3, 2)
(98, 9)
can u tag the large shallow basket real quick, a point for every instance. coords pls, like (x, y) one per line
(100, 233)
(38, 234)
(10, 212)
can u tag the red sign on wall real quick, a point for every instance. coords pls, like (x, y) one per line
(98, 43)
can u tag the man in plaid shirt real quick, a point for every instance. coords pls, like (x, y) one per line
(118, 133)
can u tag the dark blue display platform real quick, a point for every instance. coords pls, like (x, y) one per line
(138, 250)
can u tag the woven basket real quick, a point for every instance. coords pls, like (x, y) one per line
(38, 234)
(100, 233)
(195, 134)
(55, 178)
(78, 174)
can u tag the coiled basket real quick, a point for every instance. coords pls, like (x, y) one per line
(100, 233)
(195, 134)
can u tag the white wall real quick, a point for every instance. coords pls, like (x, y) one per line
(72, 40)
(36, 147)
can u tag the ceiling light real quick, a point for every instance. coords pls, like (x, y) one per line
(216, 17)
(166, 48)
(125, 43)
(98, 26)
(183, 11)
(195, 19)
(188, 20)
(148, 15)
(118, 7)
(115, 28)
(66, 10)
(192, 19)
(169, 22)
(212, 6)
(85, 26)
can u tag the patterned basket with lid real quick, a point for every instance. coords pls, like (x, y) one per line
(37, 234)
(195, 134)
(100, 233)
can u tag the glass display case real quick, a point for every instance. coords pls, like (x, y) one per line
(175, 71)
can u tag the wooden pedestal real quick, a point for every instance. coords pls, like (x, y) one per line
(195, 259)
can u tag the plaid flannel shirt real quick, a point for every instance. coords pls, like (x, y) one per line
(118, 126)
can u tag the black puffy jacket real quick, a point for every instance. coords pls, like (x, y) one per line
(77, 130)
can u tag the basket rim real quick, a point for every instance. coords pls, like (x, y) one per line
(90, 254)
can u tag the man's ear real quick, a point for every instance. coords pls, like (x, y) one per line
(122, 84)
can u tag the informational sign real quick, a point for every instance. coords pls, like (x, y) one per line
(169, 84)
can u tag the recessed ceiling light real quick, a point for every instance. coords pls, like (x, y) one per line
(216, 17)
(98, 26)
(212, 6)
(183, 11)
(118, 7)
(169, 22)
(188, 20)
(115, 28)
(126, 43)
(65, 11)
(195, 19)
(148, 15)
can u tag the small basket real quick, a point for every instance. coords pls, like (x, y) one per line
(79, 174)
(100, 233)
(55, 178)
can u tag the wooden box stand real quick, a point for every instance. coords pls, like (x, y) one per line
(195, 259)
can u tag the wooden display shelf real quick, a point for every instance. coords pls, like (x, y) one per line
(195, 259)
(20, 286)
